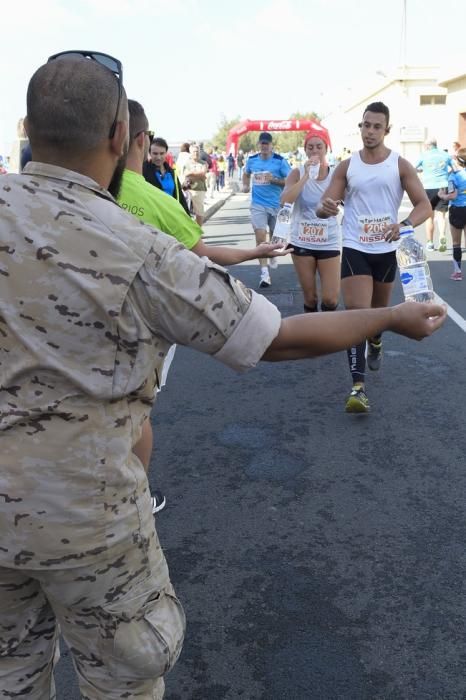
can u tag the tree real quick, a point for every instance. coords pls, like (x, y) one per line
(220, 138)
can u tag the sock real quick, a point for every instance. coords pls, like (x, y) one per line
(357, 362)
(309, 309)
(325, 307)
(264, 269)
(457, 255)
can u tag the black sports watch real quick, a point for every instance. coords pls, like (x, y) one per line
(406, 222)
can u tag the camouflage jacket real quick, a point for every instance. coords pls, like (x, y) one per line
(90, 301)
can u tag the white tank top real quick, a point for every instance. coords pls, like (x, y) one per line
(307, 230)
(373, 197)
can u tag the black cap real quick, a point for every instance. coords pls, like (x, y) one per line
(266, 137)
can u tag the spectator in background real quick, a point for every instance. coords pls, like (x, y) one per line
(183, 157)
(212, 176)
(222, 168)
(231, 165)
(195, 172)
(240, 164)
(435, 165)
(159, 173)
(205, 156)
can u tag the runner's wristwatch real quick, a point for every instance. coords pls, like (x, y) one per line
(406, 222)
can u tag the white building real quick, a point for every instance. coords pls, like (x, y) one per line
(421, 104)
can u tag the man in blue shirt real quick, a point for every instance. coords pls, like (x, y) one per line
(158, 172)
(269, 171)
(434, 165)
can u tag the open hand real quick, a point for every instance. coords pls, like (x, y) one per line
(272, 250)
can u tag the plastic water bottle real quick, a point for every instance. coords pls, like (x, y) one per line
(281, 232)
(414, 270)
(314, 171)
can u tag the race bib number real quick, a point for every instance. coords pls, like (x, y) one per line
(315, 231)
(262, 178)
(372, 228)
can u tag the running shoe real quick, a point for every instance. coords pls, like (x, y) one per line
(374, 355)
(158, 501)
(457, 276)
(265, 279)
(430, 245)
(442, 245)
(273, 263)
(357, 401)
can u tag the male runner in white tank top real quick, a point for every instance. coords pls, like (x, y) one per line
(371, 184)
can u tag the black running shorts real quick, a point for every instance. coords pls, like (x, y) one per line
(457, 217)
(436, 203)
(380, 266)
(317, 254)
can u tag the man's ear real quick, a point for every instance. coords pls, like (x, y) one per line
(387, 130)
(25, 125)
(120, 140)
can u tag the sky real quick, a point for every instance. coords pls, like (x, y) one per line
(193, 62)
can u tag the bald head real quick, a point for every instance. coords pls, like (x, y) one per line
(71, 104)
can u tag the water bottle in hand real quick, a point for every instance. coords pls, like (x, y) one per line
(313, 171)
(414, 270)
(281, 232)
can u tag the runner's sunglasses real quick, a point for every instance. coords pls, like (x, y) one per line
(113, 65)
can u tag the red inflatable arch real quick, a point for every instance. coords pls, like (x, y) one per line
(238, 130)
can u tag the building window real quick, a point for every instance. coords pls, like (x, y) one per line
(433, 99)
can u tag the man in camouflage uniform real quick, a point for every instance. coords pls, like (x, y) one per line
(90, 301)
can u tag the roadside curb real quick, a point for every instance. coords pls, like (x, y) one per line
(216, 206)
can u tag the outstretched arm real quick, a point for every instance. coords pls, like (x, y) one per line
(311, 335)
(224, 255)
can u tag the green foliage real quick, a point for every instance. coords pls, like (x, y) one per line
(284, 142)
(219, 139)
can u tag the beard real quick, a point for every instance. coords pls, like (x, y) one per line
(115, 183)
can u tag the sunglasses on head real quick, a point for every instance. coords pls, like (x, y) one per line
(113, 65)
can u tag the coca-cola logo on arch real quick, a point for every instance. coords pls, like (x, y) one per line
(280, 125)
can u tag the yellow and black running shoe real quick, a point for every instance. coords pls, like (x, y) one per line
(357, 401)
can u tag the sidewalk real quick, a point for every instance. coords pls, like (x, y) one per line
(219, 198)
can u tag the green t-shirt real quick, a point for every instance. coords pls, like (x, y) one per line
(158, 209)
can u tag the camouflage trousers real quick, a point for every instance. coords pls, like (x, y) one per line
(124, 630)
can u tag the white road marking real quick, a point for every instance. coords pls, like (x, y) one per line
(454, 315)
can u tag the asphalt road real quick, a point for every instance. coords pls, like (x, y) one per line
(319, 555)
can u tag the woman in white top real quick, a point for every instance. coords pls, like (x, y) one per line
(316, 242)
